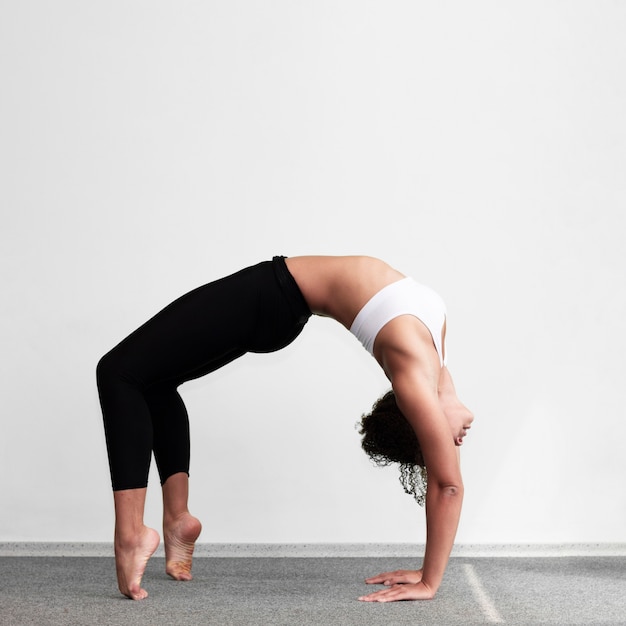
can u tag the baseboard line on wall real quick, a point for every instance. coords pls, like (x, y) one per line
(298, 550)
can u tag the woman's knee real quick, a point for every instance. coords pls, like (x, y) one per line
(109, 368)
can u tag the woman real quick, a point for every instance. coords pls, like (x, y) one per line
(261, 309)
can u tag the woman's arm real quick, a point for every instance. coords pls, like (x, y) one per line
(418, 400)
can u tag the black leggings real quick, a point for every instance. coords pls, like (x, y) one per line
(259, 309)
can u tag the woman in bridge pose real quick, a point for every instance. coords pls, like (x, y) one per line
(419, 424)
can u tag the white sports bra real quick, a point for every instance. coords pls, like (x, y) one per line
(404, 297)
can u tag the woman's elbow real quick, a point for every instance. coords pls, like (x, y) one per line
(448, 488)
(453, 491)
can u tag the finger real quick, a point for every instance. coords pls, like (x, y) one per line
(386, 595)
(378, 580)
(388, 582)
(397, 580)
(381, 578)
(393, 578)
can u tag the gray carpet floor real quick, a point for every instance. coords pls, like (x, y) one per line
(50, 591)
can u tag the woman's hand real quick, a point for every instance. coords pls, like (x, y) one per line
(406, 591)
(403, 584)
(393, 578)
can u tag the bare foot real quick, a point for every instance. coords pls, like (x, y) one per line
(180, 537)
(131, 558)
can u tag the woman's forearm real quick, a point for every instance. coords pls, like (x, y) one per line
(443, 510)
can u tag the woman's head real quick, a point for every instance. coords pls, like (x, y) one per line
(388, 438)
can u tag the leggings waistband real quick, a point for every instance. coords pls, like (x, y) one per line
(290, 288)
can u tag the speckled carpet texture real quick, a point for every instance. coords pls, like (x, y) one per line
(245, 591)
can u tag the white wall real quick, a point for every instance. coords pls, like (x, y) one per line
(148, 147)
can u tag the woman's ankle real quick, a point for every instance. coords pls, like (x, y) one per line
(128, 538)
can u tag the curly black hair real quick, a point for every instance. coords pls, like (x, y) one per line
(388, 438)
